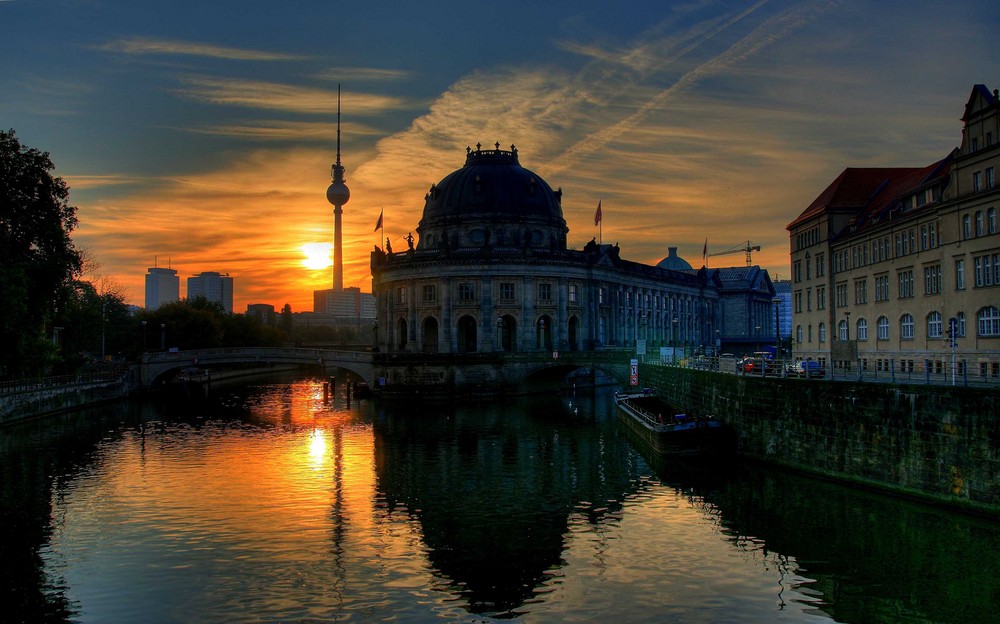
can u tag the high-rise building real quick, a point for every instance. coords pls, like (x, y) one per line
(217, 287)
(162, 286)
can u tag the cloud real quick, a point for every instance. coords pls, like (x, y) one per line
(363, 74)
(149, 45)
(284, 97)
(278, 130)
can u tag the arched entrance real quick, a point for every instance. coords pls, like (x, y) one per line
(467, 335)
(429, 335)
(507, 333)
(401, 334)
(574, 325)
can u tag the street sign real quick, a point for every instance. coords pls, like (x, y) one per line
(633, 375)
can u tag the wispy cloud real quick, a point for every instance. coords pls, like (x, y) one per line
(148, 45)
(276, 130)
(284, 97)
(363, 74)
(90, 182)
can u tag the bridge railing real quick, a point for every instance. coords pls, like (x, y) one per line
(41, 383)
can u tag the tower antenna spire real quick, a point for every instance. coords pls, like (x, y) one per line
(338, 194)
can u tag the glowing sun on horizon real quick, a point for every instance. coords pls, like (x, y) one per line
(317, 255)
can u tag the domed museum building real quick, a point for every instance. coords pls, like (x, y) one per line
(490, 274)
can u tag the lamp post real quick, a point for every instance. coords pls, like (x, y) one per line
(541, 334)
(163, 336)
(673, 340)
(500, 333)
(756, 333)
(777, 326)
(144, 336)
(375, 336)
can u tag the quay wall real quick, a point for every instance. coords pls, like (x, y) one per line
(933, 442)
(30, 403)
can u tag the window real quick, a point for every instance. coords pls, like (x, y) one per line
(960, 274)
(862, 329)
(820, 297)
(429, 293)
(797, 297)
(841, 296)
(808, 266)
(979, 223)
(798, 334)
(975, 144)
(977, 181)
(506, 291)
(822, 332)
(861, 291)
(466, 292)
(991, 177)
(987, 269)
(842, 333)
(934, 325)
(809, 299)
(905, 284)
(572, 294)
(923, 237)
(820, 265)
(967, 227)
(932, 279)
(882, 326)
(933, 231)
(989, 321)
(797, 271)
(961, 324)
(882, 288)
(991, 220)
(401, 294)
(906, 327)
(600, 295)
(545, 292)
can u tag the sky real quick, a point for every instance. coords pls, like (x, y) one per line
(200, 135)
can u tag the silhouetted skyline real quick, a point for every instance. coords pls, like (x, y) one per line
(207, 134)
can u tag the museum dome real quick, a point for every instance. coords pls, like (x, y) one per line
(673, 261)
(492, 200)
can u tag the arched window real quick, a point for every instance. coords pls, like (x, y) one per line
(862, 329)
(822, 332)
(883, 328)
(468, 336)
(967, 227)
(991, 220)
(401, 334)
(906, 327)
(961, 324)
(979, 223)
(989, 321)
(842, 330)
(934, 325)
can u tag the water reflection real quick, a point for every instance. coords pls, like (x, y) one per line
(274, 505)
(494, 487)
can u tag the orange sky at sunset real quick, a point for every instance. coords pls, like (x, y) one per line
(210, 148)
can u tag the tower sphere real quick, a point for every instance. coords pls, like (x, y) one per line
(338, 194)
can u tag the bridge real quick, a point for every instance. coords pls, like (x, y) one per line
(155, 367)
(403, 372)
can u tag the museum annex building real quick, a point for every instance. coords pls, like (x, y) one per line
(888, 263)
(490, 274)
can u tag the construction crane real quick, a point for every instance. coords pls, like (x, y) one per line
(747, 248)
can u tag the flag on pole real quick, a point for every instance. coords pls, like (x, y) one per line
(597, 215)
(378, 224)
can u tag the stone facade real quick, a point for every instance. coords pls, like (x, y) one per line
(884, 258)
(491, 272)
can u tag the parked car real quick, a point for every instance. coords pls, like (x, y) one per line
(806, 368)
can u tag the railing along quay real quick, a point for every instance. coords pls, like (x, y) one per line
(42, 383)
(921, 373)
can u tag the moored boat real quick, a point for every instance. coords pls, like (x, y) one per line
(666, 429)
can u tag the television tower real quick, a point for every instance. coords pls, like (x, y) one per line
(338, 194)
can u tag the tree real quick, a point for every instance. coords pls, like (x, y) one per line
(37, 256)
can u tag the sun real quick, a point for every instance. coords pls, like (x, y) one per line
(317, 255)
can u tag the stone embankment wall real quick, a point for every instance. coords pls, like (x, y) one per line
(938, 442)
(29, 403)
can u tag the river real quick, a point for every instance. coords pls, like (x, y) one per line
(267, 503)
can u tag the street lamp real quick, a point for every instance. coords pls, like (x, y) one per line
(500, 333)
(541, 334)
(144, 336)
(777, 326)
(756, 334)
(163, 336)
(375, 336)
(673, 347)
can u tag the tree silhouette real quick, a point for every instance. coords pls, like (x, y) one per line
(37, 257)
